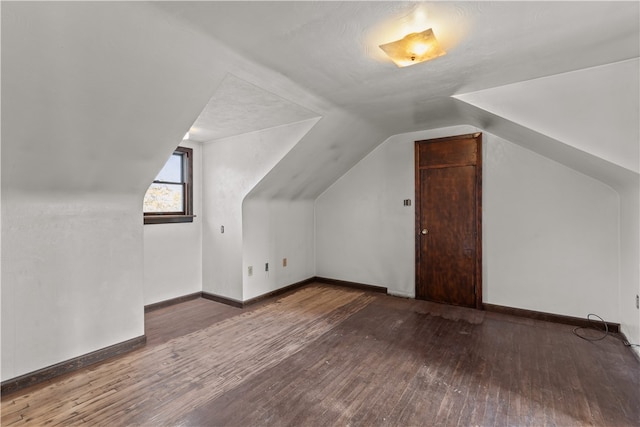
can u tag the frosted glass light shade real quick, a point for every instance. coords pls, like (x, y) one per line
(413, 48)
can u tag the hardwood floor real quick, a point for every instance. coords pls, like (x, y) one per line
(324, 355)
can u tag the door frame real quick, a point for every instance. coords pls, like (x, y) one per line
(418, 206)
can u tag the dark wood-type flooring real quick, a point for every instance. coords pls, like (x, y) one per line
(324, 355)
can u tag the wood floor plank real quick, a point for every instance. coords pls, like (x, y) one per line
(323, 355)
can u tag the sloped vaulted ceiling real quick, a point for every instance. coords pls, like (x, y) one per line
(238, 107)
(331, 49)
(595, 110)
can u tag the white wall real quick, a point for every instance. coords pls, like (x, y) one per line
(173, 252)
(72, 276)
(94, 96)
(273, 230)
(231, 168)
(630, 261)
(550, 234)
(364, 233)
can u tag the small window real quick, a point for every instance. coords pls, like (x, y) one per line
(170, 196)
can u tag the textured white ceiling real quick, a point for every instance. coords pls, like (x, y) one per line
(239, 107)
(330, 51)
(331, 48)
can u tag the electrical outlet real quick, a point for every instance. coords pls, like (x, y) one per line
(266, 266)
(637, 301)
(250, 270)
(284, 262)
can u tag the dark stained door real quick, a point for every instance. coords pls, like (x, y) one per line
(448, 220)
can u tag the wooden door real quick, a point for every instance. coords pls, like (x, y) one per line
(448, 220)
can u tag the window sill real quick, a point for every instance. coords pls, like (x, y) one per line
(167, 219)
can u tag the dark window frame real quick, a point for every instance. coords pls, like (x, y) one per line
(187, 181)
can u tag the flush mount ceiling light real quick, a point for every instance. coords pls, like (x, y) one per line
(413, 48)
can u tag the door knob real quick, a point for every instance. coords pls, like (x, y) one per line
(424, 231)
